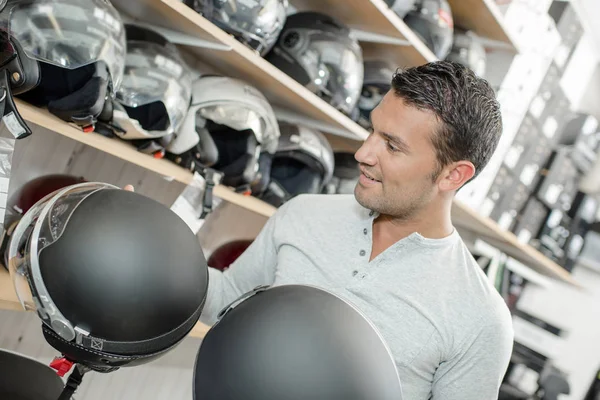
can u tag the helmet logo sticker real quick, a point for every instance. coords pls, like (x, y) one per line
(97, 344)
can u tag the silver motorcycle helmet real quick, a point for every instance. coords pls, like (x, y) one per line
(71, 56)
(240, 121)
(256, 23)
(154, 97)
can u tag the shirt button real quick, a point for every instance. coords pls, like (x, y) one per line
(362, 253)
(365, 231)
(354, 273)
(371, 213)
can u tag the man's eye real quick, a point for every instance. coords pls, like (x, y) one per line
(391, 147)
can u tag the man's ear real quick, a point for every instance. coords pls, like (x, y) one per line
(456, 175)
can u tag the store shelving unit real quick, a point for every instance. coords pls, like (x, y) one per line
(219, 50)
(484, 18)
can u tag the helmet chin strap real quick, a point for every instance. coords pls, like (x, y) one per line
(73, 382)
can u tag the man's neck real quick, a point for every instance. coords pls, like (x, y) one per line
(432, 224)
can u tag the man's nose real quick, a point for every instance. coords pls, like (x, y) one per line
(366, 154)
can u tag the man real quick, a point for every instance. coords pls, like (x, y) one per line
(391, 249)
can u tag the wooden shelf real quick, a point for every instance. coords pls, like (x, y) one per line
(239, 61)
(484, 18)
(466, 218)
(375, 16)
(123, 150)
(9, 301)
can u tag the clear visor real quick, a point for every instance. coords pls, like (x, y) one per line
(69, 33)
(155, 73)
(337, 66)
(41, 226)
(240, 118)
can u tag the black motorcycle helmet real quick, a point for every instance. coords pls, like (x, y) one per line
(117, 278)
(294, 342)
(377, 82)
(432, 22)
(320, 53)
(24, 378)
(468, 50)
(302, 163)
(345, 174)
(71, 55)
(256, 23)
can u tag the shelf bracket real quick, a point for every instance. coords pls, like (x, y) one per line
(295, 118)
(364, 36)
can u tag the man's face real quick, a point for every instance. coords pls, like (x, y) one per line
(397, 161)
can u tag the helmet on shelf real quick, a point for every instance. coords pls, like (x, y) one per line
(303, 163)
(432, 22)
(241, 123)
(112, 286)
(468, 50)
(71, 56)
(377, 82)
(294, 342)
(256, 23)
(345, 174)
(153, 100)
(227, 253)
(320, 53)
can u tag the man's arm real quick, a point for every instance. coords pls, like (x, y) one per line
(476, 373)
(255, 267)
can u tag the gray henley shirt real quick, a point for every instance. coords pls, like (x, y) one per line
(449, 330)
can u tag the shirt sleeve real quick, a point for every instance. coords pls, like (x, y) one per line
(476, 373)
(255, 267)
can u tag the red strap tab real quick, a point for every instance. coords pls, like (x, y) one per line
(61, 365)
(88, 129)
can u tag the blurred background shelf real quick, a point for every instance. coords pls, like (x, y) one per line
(487, 230)
(484, 18)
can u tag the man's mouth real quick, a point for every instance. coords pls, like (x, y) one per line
(369, 177)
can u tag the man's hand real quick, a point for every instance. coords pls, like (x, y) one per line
(129, 188)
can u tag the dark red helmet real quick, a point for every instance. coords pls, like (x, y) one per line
(225, 255)
(36, 189)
